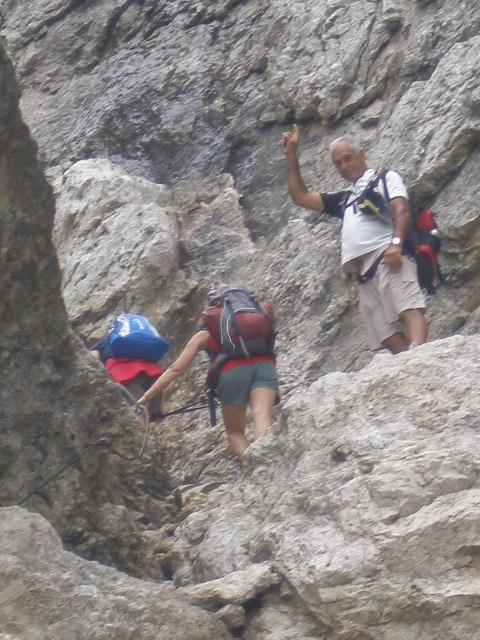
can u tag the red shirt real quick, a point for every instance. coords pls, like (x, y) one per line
(234, 363)
(126, 371)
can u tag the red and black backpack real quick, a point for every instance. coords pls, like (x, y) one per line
(423, 242)
(239, 325)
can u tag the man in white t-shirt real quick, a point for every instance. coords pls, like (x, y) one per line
(376, 219)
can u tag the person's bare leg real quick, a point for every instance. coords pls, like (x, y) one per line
(262, 400)
(416, 326)
(234, 418)
(396, 343)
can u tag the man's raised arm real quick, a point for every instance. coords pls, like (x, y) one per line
(296, 186)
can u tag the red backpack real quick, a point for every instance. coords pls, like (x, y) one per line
(239, 325)
(424, 243)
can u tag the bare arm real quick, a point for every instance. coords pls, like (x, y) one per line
(402, 217)
(402, 220)
(296, 186)
(198, 342)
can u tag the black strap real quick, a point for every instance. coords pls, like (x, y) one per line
(213, 407)
(383, 176)
(379, 175)
(368, 275)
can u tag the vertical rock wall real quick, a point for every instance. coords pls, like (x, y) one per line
(57, 408)
(196, 95)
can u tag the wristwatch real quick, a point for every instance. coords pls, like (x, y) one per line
(396, 241)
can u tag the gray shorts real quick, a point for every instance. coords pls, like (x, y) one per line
(386, 296)
(234, 386)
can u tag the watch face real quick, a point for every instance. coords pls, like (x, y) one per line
(396, 241)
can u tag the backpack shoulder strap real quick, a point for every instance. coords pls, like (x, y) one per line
(334, 203)
(210, 320)
(372, 183)
(381, 175)
(373, 202)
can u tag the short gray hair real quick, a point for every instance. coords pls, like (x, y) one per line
(350, 140)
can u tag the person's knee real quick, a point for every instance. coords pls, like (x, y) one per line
(417, 314)
(234, 426)
(234, 416)
(396, 343)
(234, 432)
(416, 325)
(262, 411)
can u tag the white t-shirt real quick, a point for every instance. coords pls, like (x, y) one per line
(363, 233)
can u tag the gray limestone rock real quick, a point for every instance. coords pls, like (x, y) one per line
(171, 92)
(433, 142)
(66, 432)
(365, 498)
(232, 615)
(116, 238)
(47, 592)
(237, 587)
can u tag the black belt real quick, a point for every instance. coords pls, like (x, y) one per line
(363, 278)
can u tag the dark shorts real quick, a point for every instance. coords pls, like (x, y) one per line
(138, 387)
(234, 386)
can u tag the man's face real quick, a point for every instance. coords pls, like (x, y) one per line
(349, 162)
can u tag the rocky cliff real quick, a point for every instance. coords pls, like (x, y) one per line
(158, 126)
(62, 421)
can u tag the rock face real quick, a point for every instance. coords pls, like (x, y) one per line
(365, 497)
(171, 91)
(159, 126)
(65, 432)
(50, 593)
(201, 89)
(174, 93)
(117, 239)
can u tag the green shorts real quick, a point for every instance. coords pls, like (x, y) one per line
(234, 386)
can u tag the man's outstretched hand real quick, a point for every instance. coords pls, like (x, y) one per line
(291, 139)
